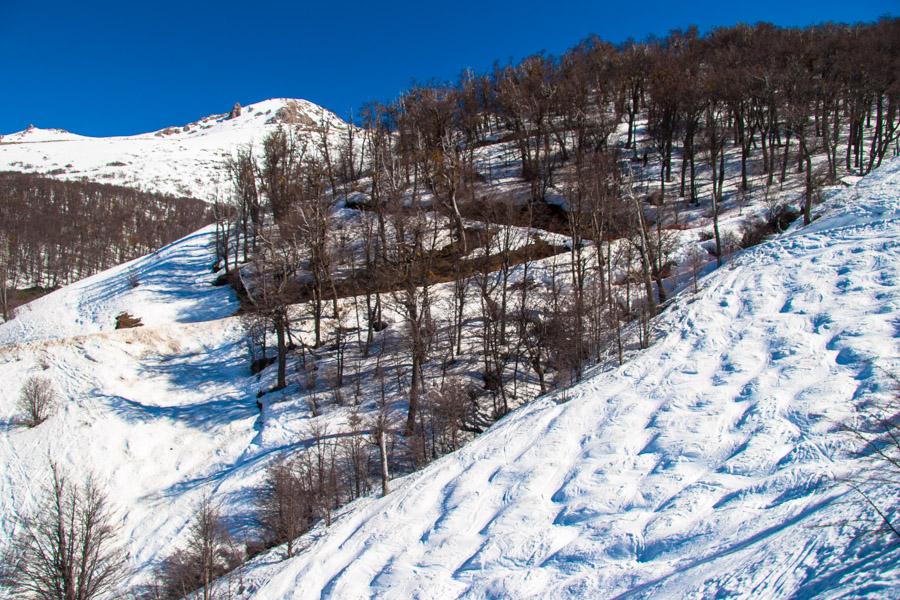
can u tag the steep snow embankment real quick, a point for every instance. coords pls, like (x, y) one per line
(174, 285)
(699, 468)
(186, 161)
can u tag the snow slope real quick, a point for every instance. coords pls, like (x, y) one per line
(185, 161)
(151, 411)
(700, 468)
(162, 415)
(174, 285)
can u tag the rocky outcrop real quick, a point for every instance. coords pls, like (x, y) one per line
(235, 111)
(167, 131)
(292, 113)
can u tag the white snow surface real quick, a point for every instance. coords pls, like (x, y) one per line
(184, 161)
(174, 285)
(700, 468)
(153, 412)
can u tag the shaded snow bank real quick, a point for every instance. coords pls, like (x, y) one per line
(700, 468)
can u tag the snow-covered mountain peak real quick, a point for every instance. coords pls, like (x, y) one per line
(185, 160)
(292, 112)
(32, 134)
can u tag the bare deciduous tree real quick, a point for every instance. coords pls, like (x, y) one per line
(208, 554)
(7, 274)
(68, 549)
(284, 509)
(36, 401)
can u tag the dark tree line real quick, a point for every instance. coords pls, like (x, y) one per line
(55, 232)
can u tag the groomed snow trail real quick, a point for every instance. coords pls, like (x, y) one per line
(700, 468)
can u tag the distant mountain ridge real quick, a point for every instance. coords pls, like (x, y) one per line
(184, 160)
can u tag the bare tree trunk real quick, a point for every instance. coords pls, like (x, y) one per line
(645, 254)
(280, 318)
(715, 205)
(807, 205)
(382, 448)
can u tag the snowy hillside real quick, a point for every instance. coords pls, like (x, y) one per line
(149, 410)
(173, 285)
(184, 161)
(698, 469)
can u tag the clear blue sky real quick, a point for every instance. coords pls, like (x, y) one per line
(105, 68)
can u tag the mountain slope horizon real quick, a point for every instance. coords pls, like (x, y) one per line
(185, 160)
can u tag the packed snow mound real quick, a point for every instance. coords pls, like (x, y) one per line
(700, 468)
(172, 285)
(185, 160)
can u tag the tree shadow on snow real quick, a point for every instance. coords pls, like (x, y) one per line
(705, 562)
(200, 415)
(246, 461)
(207, 369)
(174, 274)
(204, 374)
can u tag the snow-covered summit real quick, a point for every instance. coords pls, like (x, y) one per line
(700, 468)
(183, 160)
(33, 134)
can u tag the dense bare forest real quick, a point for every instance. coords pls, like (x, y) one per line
(612, 147)
(55, 232)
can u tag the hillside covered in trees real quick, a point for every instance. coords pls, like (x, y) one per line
(55, 232)
(647, 161)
